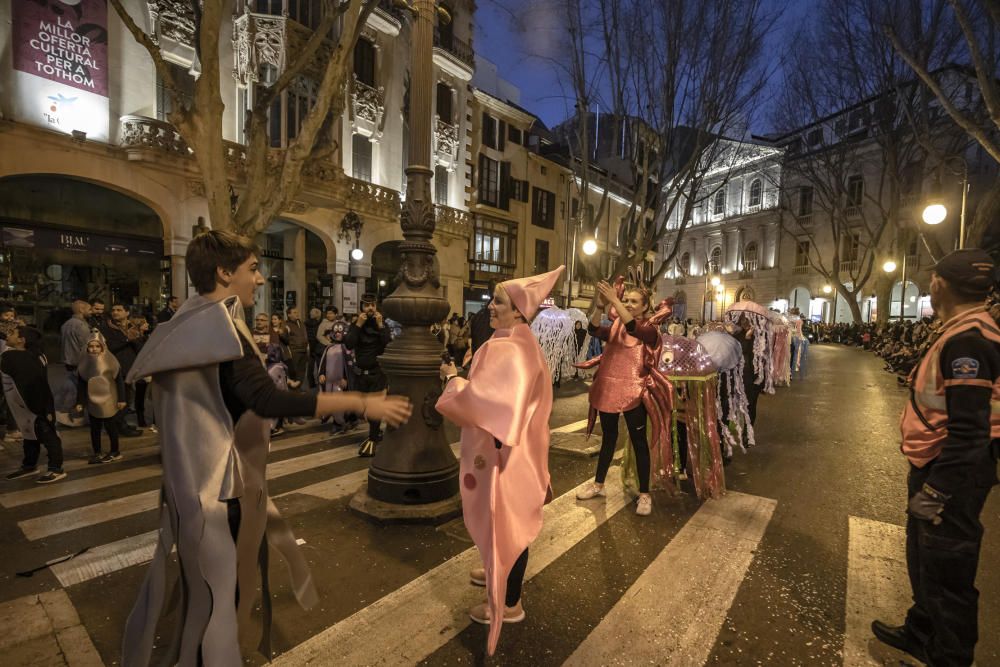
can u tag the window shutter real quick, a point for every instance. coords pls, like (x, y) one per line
(482, 177)
(550, 210)
(502, 136)
(505, 186)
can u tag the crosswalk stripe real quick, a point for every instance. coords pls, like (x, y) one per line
(571, 428)
(673, 612)
(443, 595)
(74, 486)
(109, 510)
(138, 549)
(877, 588)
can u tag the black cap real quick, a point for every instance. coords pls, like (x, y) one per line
(969, 272)
(368, 297)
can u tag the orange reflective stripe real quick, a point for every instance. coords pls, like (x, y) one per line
(969, 383)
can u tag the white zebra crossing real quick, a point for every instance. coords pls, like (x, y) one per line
(692, 583)
(443, 595)
(877, 588)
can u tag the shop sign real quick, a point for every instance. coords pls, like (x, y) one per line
(60, 61)
(75, 241)
(350, 299)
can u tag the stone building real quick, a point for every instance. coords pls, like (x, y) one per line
(99, 196)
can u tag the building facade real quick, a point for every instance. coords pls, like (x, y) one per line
(99, 196)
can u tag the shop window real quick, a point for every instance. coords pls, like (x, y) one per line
(362, 156)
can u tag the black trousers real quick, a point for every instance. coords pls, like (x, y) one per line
(375, 380)
(516, 579)
(942, 562)
(635, 420)
(33, 449)
(140, 403)
(109, 424)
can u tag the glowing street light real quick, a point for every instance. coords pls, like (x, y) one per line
(716, 281)
(827, 289)
(357, 254)
(589, 247)
(889, 266)
(935, 214)
(381, 283)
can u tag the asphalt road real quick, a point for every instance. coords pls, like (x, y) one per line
(826, 479)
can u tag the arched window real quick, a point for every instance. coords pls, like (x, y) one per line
(715, 260)
(684, 265)
(756, 192)
(750, 257)
(719, 202)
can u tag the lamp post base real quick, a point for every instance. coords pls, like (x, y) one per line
(434, 513)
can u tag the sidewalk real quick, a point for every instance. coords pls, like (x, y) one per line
(49, 633)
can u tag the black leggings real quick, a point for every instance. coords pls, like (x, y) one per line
(515, 579)
(635, 420)
(110, 424)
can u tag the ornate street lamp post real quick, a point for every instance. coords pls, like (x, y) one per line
(414, 475)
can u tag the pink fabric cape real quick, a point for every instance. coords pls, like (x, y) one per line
(508, 396)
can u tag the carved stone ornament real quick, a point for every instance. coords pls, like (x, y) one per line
(297, 207)
(257, 40)
(173, 19)
(368, 103)
(196, 187)
(419, 265)
(445, 141)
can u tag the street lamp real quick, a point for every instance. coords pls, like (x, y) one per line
(414, 475)
(889, 266)
(827, 289)
(357, 254)
(936, 212)
(589, 247)
(716, 281)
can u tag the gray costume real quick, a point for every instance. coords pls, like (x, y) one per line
(207, 461)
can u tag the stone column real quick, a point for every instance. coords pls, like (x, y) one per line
(294, 242)
(178, 277)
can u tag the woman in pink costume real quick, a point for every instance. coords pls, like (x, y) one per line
(503, 409)
(623, 384)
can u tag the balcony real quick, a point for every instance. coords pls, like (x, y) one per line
(368, 108)
(264, 39)
(445, 143)
(849, 266)
(800, 270)
(149, 139)
(386, 18)
(453, 223)
(454, 56)
(853, 211)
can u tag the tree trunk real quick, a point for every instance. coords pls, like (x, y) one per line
(883, 295)
(852, 302)
(983, 232)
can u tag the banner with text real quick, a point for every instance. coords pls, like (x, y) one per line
(60, 50)
(63, 41)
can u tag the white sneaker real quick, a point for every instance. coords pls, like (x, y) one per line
(644, 506)
(592, 491)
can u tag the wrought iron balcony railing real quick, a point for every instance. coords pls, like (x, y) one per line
(456, 47)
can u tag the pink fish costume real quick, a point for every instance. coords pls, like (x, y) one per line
(503, 409)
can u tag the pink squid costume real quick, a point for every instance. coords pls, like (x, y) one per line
(507, 398)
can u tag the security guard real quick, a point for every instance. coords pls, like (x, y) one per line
(951, 437)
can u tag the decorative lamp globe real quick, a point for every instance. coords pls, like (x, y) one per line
(827, 289)
(889, 266)
(589, 247)
(357, 254)
(716, 281)
(935, 214)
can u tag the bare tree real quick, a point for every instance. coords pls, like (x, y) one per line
(271, 178)
(864, 130)
(979, 23)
